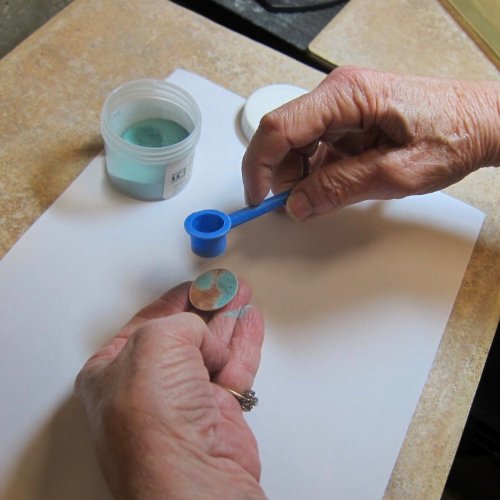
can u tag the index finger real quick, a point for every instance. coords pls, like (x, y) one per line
(338, 102)
(245, 347)
(293, 126)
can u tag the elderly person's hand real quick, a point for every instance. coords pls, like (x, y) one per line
(369, 135)
(164, 425)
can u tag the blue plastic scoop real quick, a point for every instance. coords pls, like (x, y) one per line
(208, 228)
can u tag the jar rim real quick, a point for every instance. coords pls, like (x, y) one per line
(158, 90)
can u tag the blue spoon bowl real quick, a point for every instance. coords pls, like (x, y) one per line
(208, 228)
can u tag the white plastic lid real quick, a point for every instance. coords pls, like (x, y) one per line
(263, 100)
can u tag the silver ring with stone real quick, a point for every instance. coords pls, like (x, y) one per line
(247, 400)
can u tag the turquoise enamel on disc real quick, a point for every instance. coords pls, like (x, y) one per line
(213, 289)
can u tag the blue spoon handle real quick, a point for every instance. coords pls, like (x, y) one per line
(249, 213)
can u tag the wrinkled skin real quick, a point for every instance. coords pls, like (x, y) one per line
(164, 427)
(363, 134)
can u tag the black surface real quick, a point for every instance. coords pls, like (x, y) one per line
(475, 473)
(299, 5)
(295, 28)
(486, 406)
(287, 32)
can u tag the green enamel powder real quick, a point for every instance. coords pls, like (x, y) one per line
(227, 284)
(238, 313)
(205, 281)
(155, 133)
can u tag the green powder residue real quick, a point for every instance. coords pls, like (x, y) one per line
(238, 313)
(155, 133)
(205, 281)
(227, 283)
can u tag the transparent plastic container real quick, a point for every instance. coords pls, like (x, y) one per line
(149, 173)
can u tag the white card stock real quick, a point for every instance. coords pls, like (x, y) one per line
(355, 305)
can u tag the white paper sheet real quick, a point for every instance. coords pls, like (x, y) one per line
(355, 305)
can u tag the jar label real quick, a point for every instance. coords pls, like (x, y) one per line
(175, 178)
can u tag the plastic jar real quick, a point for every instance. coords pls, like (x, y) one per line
(149, 173)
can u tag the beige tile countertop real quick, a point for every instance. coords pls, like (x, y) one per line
(52, 88)
(404, 36)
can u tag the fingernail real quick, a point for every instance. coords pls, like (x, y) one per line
(299, 206)
(249, 200)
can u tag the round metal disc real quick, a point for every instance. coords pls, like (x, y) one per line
(213, 289)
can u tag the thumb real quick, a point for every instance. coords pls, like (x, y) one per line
(341, 183)
(172, 340)
(177, 341)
